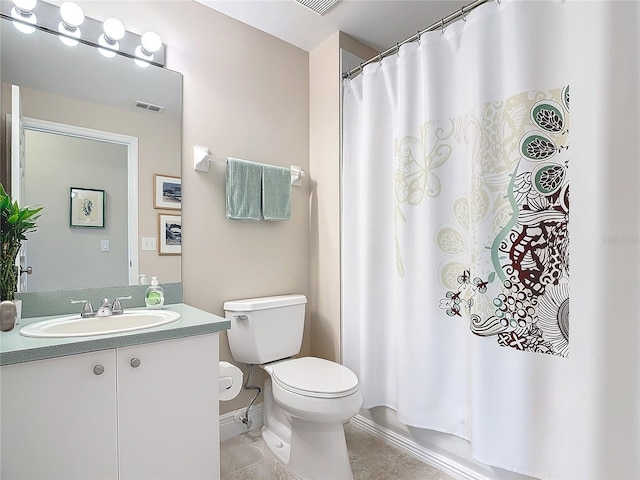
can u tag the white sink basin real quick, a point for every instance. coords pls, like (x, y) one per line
(74, 326)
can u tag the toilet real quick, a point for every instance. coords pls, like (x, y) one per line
(305, 400)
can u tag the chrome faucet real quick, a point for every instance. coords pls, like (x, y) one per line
(87, 309)
(116, 308)
(105, 309)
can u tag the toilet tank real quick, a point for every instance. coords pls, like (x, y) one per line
(265, 329)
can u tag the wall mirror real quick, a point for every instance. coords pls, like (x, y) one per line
(97, 133)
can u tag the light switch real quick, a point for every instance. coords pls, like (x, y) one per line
(104, 245)
(149, 243)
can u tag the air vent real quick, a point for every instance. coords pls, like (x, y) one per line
(149, 106)
(318, 6)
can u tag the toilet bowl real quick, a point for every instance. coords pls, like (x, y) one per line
(306, 400)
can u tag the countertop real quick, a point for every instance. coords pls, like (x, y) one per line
(15, 348)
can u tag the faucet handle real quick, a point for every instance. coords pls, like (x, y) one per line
(87, 309)
(117, 309)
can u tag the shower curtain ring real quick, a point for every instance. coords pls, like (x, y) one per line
(398, 49)
(462, 14)
(419, 37)
(442, 24)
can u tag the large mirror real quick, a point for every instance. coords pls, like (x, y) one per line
(96, 154)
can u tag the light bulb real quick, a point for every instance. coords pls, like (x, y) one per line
(113, 29)
(143, 58)
(65, 33)
(110, 47)
(72, 18)
(141, 63)
(25, 6)
(72, 15)
(24, 19)
(151, 42)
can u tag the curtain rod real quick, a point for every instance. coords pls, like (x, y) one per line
(441, 24)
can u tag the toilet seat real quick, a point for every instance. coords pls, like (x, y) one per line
(315, 377)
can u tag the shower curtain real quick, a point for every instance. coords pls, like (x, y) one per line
(458, 155)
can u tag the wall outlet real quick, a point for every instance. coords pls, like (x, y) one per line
(149, 243)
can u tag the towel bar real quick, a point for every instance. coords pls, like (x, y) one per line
(202, 158)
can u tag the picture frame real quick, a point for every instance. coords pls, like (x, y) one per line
(169, 234)
(167, 192)
(87, 208)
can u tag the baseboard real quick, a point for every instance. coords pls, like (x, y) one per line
(442, 462)
(230, 428)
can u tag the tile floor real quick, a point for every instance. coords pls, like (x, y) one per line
(246, 457)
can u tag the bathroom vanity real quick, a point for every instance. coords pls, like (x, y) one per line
(133, 405)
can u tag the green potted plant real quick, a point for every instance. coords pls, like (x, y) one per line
(15, 223)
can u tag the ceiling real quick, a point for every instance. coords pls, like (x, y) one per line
(381, 24)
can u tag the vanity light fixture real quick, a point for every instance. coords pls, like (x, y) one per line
(22, 11)
(67, 20)
(149, 44)
(113, 32)
(72, 18)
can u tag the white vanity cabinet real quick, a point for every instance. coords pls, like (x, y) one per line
(146, 411)
(59, 419)
(168, 420)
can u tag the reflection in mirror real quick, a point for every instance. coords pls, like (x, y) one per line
(84, 130)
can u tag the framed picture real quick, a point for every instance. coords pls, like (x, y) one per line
(86, 208)
(170, 234)
(167, 192)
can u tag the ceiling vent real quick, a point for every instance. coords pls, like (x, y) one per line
(318, 6)
(149, 106)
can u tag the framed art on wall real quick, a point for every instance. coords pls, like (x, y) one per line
(86, 208)
(170, 234)
(167, 192)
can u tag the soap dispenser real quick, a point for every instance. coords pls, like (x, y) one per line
(154, 297)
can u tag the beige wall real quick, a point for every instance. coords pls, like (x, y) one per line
(246, 94)
(324, 157)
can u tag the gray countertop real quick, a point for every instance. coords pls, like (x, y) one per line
(15, 348)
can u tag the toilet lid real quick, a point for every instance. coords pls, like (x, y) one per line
(315, 377)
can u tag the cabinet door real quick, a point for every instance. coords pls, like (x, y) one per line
(168, 426)
(58, 418)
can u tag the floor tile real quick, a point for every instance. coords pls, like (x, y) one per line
(269, 468)
(246, 457)
(240, 452)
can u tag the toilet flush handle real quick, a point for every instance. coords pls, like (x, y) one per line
(241, 317)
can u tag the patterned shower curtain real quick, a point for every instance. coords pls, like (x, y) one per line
(457, 155)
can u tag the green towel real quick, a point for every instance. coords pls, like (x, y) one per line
(276, 193)
(243, 189)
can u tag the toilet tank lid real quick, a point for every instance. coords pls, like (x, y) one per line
(263, 303)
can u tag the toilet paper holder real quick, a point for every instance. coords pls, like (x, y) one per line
(225, 383)
(230, 380)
